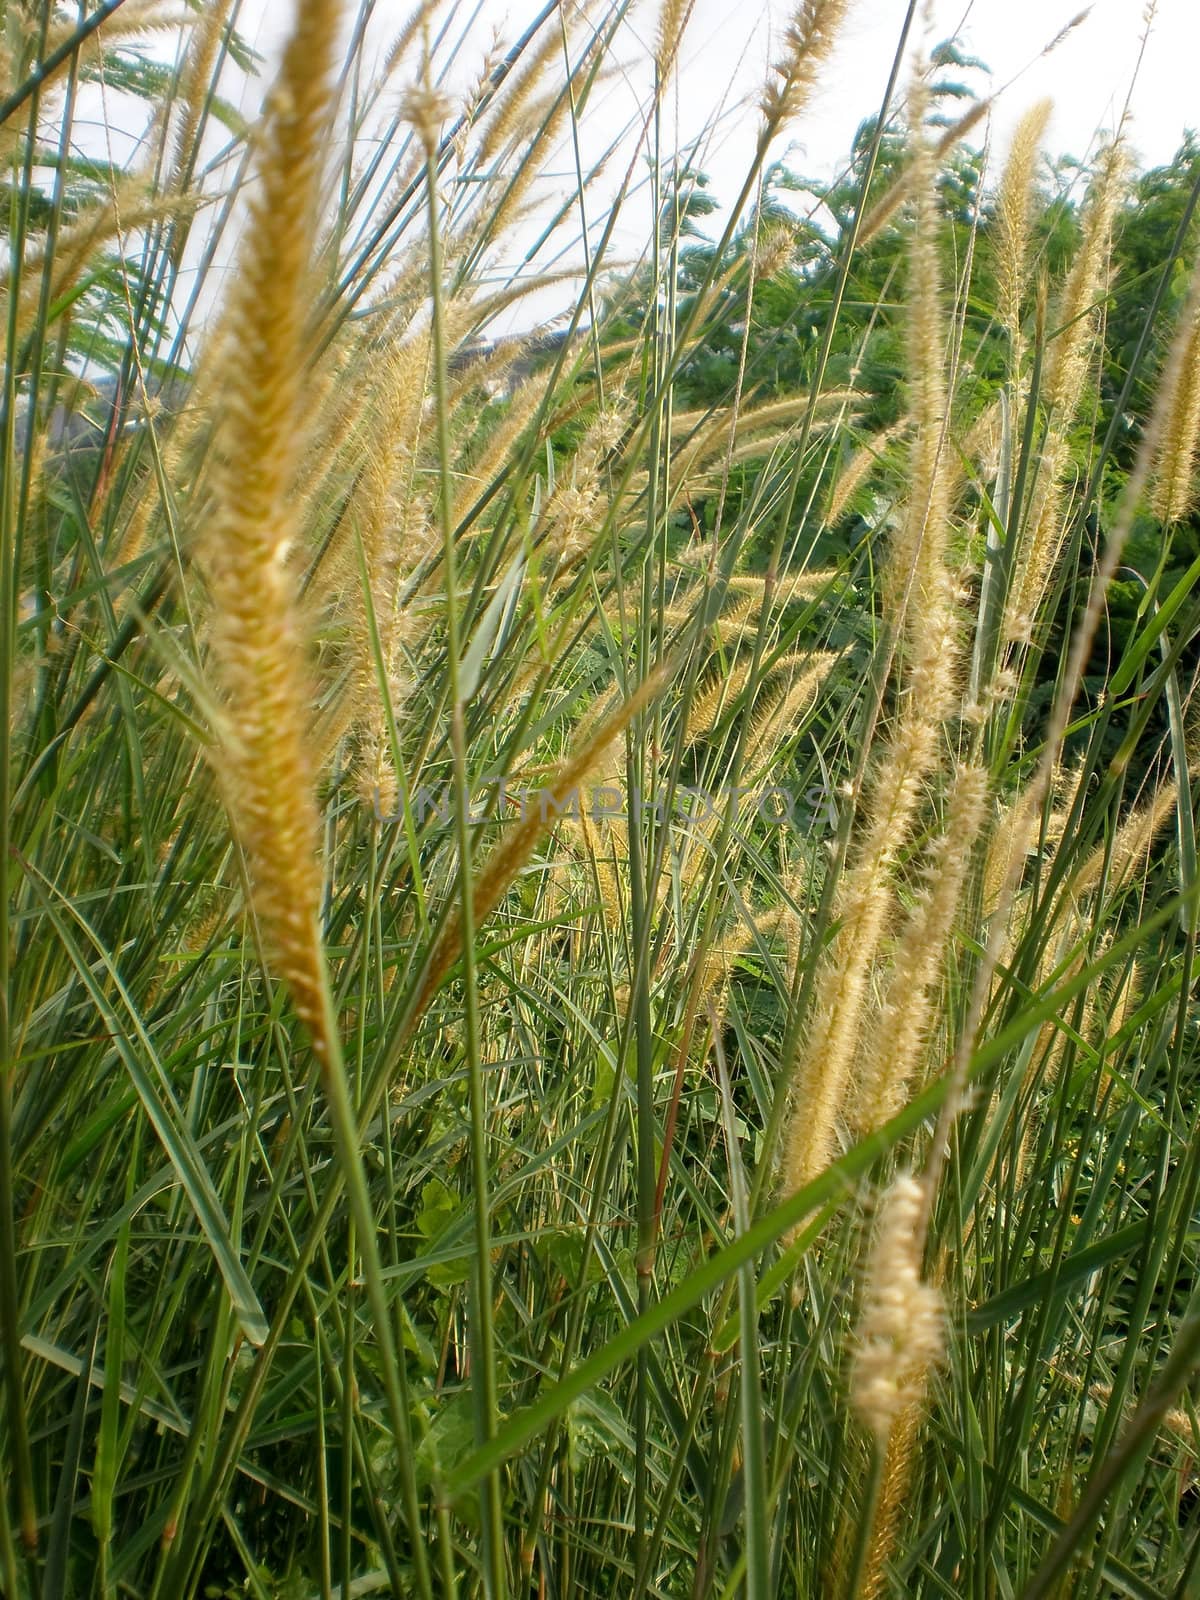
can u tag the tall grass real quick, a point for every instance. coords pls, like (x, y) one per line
(571, 1027)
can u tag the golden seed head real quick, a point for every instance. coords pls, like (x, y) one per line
(426, 108)
(809, 38)
(1013, 204)
(1173, 495)
(608, 429)
(257, 647)
(901, 1327)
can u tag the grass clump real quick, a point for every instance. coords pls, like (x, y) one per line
(599, 923)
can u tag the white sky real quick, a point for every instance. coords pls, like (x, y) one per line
(728, 42)
(1088, 77)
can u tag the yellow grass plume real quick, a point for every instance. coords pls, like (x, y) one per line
(257, 653)
(195, 84)
(509, 857)
(1173, 486)
(894, 1048)
(802, 677)
(900, 1337)
(858, 469)
(1013, 204)
(920, 594)
(1069, 358)
(807, 42)
(1130, 845)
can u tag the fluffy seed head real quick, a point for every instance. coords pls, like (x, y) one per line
(257, 649)
(426, 108)
(1013, 202)
(809, 38)
(672, 20)
(900, 1330)
(1173, 494)
(894, 1049)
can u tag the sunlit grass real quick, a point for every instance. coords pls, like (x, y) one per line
(598, 946)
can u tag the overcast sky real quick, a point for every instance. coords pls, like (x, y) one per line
(1089, 76)
(728, 43)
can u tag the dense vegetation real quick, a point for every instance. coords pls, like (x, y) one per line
(599, 930)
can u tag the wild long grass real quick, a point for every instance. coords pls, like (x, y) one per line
(598, 959)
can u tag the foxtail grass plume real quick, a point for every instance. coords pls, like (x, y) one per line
(807, 42)
(895, 1479)
(776, 248)
(718, 693)
(196, 84)
(1124, 999)
(71, 255)
(1014, 202)
(509, 857)
(1173, 487)
(863, 908)
(882, 213)
(858, 469)
(257, 651)
(919, 583)
(900, 1336)
(575, 511)
(597, 848)
(401, 43)
(1130, 846)
(672, 20)
(893, 1049)
(1122, 1004)
(920, 594)
(509, 114)
(1071, 348)
(800, 679)
(1069, 358)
